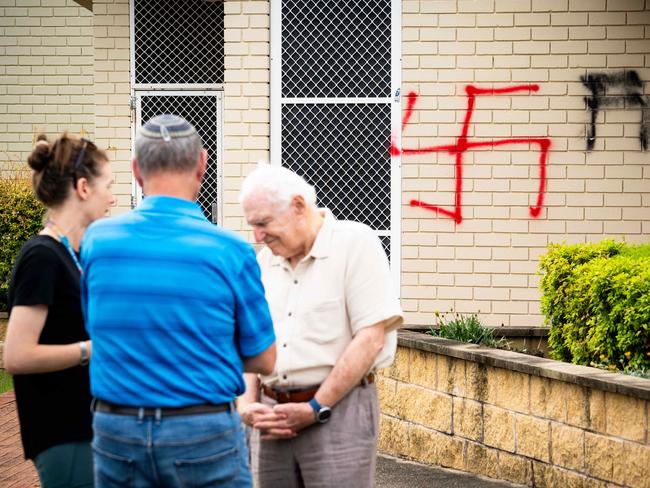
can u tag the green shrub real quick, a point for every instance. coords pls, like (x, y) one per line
(21, 216)
(596, 299)
(466, 329)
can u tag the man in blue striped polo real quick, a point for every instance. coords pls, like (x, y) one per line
(176, 311)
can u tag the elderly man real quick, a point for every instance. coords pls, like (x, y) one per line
(176, 311)
(335, 312)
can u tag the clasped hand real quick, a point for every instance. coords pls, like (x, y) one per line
(283, 421)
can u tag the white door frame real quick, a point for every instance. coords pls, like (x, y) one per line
(396, 118)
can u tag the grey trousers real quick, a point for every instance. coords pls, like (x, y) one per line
(339, 454)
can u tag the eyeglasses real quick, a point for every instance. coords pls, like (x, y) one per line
(79, 160)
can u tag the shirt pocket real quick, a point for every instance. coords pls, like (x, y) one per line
(324, 321)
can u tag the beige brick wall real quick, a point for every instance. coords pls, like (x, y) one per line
(512, 426)
(488, 262)
(46, 75)
(246, 96)
(113, 93)
(246, 99)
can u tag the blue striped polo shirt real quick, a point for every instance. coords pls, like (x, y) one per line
(172, 304)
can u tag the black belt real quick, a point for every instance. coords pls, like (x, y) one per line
(303, 395)
(104, 407)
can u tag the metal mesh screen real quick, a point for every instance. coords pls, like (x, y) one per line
(200, 111)
(342, 149)
(336, 49)
(178, 42)
(385, 241)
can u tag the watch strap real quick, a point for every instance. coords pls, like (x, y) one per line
(315, 405)
(85, 356)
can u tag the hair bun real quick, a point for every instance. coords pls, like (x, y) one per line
(40, 156)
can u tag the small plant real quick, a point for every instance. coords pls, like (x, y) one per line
(466, 329)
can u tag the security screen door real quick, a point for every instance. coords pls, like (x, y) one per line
(335, 75)
(177, 66)
(202, 110)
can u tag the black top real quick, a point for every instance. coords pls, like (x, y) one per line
(53, 408)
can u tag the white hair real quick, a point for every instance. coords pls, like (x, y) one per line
(277, 184)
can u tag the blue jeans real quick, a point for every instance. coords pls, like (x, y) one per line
(177, 451)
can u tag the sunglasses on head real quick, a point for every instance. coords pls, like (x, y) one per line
(80, 157)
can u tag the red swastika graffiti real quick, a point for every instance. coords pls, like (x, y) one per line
(463, 145)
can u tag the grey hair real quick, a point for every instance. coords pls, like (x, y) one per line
(278, 184)
(178, 155)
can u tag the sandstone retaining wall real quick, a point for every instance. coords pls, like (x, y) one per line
(514, 417)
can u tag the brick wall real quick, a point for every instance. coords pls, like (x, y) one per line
(46, 75)
(113, 92)
(487, 262)
(246, 96)
(246, 99)
(513, 417)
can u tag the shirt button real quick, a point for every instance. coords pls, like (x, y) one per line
(289, 314)
(284, 345)
(284, 376)
(295, 282)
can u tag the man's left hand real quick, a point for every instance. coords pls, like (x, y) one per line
(298, 416)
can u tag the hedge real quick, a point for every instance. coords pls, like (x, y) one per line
(596, 299)
(21, 217)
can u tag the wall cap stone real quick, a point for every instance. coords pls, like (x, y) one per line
(502, 330)
(523, 363)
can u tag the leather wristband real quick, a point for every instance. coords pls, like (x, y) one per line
(85, 355)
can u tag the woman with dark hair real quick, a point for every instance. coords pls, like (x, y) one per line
(47, 347)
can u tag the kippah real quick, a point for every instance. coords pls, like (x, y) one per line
(167, 127)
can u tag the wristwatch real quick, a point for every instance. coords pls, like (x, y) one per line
(321, 413)
(85, 356)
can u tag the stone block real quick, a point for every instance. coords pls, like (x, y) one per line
(513, 390)
(423, 368)
(547, 398)
(625, 417)
(476, 375)
(498, 428)
(567, 446)
(548, 476)
(468, 419)
(601, 455)
(597, 410)
(399, 370)
(516, 469)
(578, 405)
(425, 407)
(449, 451)
(422, 445)
(533, 437)
(393, 436)
(482, 460)
(647, 419)
(451, 375)
(634, 470)
(387, 392)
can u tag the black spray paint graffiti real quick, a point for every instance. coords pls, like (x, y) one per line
(632, 87)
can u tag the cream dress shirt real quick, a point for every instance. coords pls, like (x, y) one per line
(343, 285)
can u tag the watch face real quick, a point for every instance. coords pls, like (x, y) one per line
(324, 414)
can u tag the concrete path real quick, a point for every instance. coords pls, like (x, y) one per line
(15, 472)
(396, 473)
